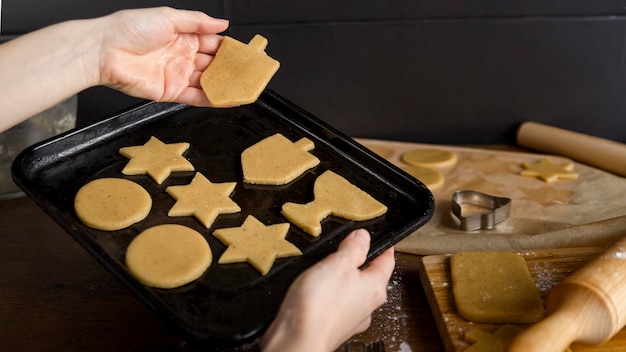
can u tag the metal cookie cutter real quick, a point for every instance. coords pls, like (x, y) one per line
(493, 209)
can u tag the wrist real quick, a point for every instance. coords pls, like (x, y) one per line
(72, 52)
(292, 335)
(87, 51)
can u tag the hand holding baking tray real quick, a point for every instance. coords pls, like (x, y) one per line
(333, 195)
(276, 160)
(238, 73)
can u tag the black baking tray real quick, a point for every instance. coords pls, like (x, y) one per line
(231, 303)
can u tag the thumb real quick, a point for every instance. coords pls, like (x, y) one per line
(355, 246)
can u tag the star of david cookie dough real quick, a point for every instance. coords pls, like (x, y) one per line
(256, 244)
(203, 199)
(549, 171)
(156, 159)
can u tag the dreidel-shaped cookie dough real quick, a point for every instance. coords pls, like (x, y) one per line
(334, 195)
(238, 73)
(276, 160)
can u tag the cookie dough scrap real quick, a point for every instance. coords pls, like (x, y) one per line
(430, 157)
(238, 73)
(203, 199)
(548, 171)
(494, 287)
(431, 178)
(168, 256)
(497, 342)
(112, 204)
(276, 160)
(156, 159)
(255, 243)
(333, 195)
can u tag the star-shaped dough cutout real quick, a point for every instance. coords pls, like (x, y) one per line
(549, 171)
(156, 159)
(203, 199)
(256, 244)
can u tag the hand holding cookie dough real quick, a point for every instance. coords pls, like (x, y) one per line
(159, 54)
(155, 54)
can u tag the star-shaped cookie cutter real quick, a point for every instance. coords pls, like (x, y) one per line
(496, 209)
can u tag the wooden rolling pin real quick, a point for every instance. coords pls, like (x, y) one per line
(589, 306)
(595, 151)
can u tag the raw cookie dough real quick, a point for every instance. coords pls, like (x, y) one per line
(112, 203)
(334, 195)
(255, 243)
(549, 171)
(430, 157)
(168, 256)
(203, 199)
(276, 160)
(496, 342)
(431, 178)
(238, 73)
(494, 287)
(156, 159)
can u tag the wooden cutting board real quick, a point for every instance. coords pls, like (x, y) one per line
(537, 207)
(548, 267)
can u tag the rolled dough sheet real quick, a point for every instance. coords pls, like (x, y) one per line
(543, 215)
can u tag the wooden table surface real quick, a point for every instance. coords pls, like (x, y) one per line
(55, 297)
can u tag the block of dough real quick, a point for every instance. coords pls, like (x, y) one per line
(431, 178)
(430, 157)
(238, 73)
(255, 243)
(168, 256)
(112, 204)
(276, 160)
(203, 199)
(549, 171)
(156, 159)
(333, 195)
(494, 287)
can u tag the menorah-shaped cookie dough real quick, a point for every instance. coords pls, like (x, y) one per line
(334, 195)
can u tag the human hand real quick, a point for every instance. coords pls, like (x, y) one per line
(158, 53)
(332, 300)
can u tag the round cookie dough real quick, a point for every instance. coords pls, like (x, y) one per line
(168, 256)
(431, 178)
(112, 204)
(430, 157)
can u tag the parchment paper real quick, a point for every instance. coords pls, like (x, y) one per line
(543, 215)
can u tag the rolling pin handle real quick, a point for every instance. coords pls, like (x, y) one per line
(599, 152)
(589, 306)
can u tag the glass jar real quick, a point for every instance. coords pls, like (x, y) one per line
(49, 123)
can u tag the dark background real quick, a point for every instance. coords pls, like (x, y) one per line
(428, 71)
